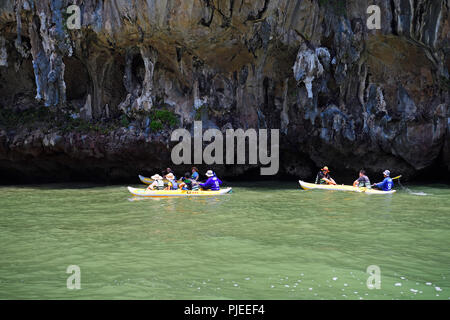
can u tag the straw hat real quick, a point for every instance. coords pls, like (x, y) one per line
(209, 173)
(157, 177)
(170, 176)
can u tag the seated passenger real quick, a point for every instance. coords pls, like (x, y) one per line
(158, 183)
(187, 182)
(362, 181)
(323, 177)
(195, 176)
(169, 171)
(172, 184)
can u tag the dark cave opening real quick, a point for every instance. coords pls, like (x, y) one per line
(77, 79)
(138, 69)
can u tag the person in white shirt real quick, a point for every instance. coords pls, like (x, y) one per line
(158, 183)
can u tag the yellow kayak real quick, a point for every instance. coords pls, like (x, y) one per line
(310, 186)
(176, 193)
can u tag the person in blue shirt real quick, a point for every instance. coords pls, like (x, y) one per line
(387, 183)
(213, 183)
(195, 174)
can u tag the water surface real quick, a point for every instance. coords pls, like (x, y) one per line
(264, 241)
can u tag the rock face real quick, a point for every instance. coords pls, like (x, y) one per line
(341, 94)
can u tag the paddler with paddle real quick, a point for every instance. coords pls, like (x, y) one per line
(387, 183)
(323, 177)
(213, 183)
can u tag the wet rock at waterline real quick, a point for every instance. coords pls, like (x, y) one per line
(341, 94)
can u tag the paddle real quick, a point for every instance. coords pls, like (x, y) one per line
(391, 178)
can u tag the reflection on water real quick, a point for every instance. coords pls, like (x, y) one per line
(183, 204)
(264, 241)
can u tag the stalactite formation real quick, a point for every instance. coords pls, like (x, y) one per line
(340, 94)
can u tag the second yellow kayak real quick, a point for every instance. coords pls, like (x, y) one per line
(311, 186)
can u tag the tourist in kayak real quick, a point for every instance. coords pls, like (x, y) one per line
(323, 177)
(362, 181)
(186, 183)
(387, 183)
(172, 184)
(158, 183)
(195, 176)
(213, 183)
(169, 171)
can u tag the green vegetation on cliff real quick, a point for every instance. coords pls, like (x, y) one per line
(46, 119)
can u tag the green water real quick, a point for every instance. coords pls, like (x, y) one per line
(261, 242)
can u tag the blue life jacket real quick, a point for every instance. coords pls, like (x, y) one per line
(174, 184)
(212, 183)
(386, 185)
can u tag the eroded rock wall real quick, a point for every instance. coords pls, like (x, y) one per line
(341, 94)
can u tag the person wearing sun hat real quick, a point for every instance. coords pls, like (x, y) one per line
(172, 185)
(387, 183)
(169, 171)
(323, 177)
(158, 183)
(213, 183)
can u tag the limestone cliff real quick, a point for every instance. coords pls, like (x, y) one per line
(84, 102)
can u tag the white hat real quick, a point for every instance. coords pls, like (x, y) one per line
(209, 173)
(157, 177)
(170, 176)
(387, 173)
